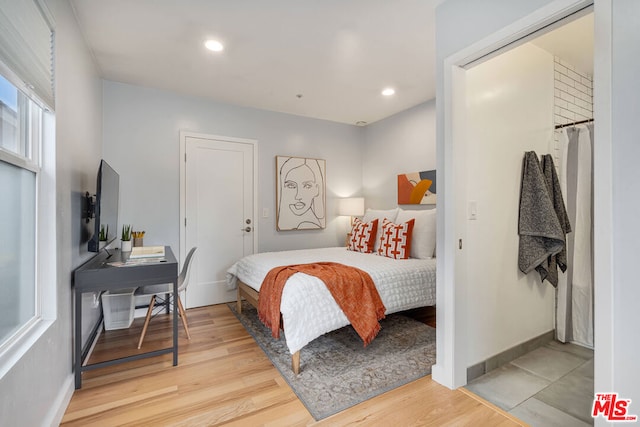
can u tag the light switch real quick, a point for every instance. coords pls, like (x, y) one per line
(472, 208)
(265, 212)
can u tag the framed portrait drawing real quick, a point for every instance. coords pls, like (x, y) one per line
(300, 193)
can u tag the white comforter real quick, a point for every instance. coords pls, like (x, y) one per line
(307, 307)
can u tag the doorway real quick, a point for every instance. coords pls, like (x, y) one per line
(513, 103)
(217, 211)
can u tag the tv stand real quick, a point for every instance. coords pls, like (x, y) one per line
(96, 275)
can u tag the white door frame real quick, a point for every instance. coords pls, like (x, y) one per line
(451, 365)
(183, 183)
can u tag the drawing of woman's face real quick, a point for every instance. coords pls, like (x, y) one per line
(300, 188)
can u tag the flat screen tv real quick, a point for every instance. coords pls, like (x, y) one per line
(106, 207)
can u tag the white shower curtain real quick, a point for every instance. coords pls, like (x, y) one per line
(574, 314)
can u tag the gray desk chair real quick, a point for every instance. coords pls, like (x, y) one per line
(158, 292)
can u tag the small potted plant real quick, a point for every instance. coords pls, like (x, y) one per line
(102, 237)
(125, 245)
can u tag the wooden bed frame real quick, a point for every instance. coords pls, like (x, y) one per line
(251, 295)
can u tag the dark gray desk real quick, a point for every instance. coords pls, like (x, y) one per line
(96, 275)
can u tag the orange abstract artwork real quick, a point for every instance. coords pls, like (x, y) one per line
(417, 188)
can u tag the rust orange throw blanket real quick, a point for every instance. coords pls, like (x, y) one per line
(351, 287)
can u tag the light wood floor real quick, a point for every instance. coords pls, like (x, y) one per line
(224, 378)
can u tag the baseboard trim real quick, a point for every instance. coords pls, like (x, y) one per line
(481, 368)
(59, 406)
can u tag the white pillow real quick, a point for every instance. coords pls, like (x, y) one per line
(379, 214)
(423, 239)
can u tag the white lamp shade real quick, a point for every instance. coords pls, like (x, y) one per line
(351, 206)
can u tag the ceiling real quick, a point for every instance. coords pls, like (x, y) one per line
(326, 59)
(572, 42)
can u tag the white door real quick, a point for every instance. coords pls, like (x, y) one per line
(218, 212)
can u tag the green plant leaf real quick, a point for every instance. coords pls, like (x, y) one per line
(126, 232)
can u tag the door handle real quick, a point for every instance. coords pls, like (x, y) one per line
(247, 229)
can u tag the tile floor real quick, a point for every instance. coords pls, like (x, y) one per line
(550, 386)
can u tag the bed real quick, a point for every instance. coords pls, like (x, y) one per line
(307, 307)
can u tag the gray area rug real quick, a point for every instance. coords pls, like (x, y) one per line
(337, 372)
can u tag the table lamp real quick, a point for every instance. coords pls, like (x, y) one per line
(351, 206)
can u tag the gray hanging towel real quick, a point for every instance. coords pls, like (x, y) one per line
(541, 235)
(553, 183)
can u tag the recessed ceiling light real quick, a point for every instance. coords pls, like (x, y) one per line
(388, 91)
(214, 45)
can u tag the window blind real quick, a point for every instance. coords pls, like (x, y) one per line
(26, 46)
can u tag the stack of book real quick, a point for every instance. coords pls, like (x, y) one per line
(138, 252)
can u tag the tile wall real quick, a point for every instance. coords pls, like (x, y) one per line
(573, 99)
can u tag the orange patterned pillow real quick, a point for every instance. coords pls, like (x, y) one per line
(363, 236)
(395, 241)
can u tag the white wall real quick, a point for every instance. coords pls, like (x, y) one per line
(404, 142)
(621, 360)
(509, 111)
(36, 391)
(141, 142)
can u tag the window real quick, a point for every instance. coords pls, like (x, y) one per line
(27, 178)
(20, 142)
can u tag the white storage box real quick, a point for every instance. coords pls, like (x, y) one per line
(118, 308)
